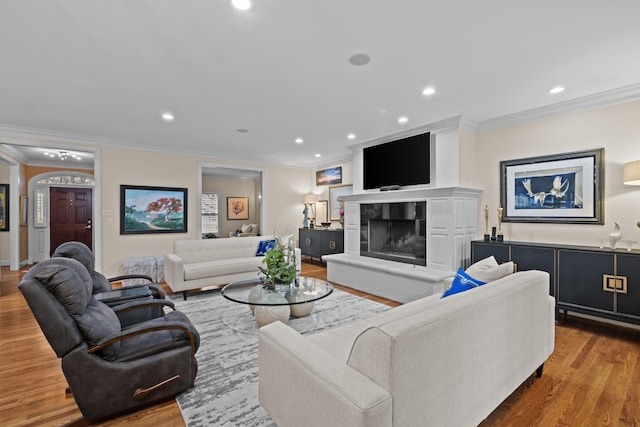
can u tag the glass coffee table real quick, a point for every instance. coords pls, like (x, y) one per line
(279, 304)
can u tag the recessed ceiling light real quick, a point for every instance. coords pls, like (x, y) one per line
(299, 140)
(359, 59)
(241, 4)
(316, 155)
(167, 116)
(242, 130)
(403, 119)
(556, 89)
(428, 91)
(351, 136)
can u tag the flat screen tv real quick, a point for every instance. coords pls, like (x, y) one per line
(398, 163)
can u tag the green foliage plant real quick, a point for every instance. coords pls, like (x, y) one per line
(280, 265)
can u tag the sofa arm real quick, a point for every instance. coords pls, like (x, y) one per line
(174, 271)
(295, 372)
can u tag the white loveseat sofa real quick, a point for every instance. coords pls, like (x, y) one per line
(196, 264)
(431, 362)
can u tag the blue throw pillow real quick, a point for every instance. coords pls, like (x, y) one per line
(462, 282)
(264, 246)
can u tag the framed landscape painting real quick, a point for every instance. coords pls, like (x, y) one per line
(329, 176)
(560, 188)
(148, 210)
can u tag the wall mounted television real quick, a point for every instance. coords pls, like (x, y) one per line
(402, 162)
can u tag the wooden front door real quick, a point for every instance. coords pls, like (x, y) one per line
(71, 216)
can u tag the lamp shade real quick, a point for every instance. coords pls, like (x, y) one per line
(310, 198)
(632, 173)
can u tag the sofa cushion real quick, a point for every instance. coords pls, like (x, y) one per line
(264, 246)
(488, 269)
(200, 270)
(462, 282)
(339, 341)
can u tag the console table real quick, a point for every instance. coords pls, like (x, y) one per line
(583, 279)
(315, 243)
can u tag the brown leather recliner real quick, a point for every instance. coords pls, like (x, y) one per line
(110, 370)
(81, 252)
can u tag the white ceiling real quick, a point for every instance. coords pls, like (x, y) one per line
(108, 69)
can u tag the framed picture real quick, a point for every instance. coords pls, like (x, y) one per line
(237, 208)
(4, 207)
(146, 210)
(560, 188)
(329, 176)
(335, 193)
(24, 209)
(321, 214)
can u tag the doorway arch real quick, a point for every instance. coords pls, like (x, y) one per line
(39, 187)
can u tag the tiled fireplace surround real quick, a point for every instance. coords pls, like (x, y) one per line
(450, 223)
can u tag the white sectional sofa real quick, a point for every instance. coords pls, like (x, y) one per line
(196, 264)
(431, 362)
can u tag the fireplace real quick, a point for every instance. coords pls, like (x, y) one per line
(394, 231)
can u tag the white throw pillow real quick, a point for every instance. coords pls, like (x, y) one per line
(483, 264)
(246, 228)
(488, 269)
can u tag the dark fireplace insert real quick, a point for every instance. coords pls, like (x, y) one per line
(394, 231)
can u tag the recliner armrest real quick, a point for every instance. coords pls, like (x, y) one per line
(132, 305)
(146, 328)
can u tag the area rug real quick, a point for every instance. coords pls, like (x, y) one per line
(226, 390)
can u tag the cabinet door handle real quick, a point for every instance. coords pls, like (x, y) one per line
(617, 284)
(308, 241)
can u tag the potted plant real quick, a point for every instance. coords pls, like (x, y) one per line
(280, 265)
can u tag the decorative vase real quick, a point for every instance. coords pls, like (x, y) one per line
(282, 288)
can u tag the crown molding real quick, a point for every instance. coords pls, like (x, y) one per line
(14, 135)
(598, 100)
(11, 151)
(452, 123)
(30, 136)
(468, 124)
(327, 163)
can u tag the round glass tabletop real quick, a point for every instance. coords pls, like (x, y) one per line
(253, 292)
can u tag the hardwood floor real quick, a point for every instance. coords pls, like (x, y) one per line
(592, 379)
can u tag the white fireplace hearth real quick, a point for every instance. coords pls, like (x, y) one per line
(445, 223)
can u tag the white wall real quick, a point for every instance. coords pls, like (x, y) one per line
(616, 128)
(283, 193)
(284, 190)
